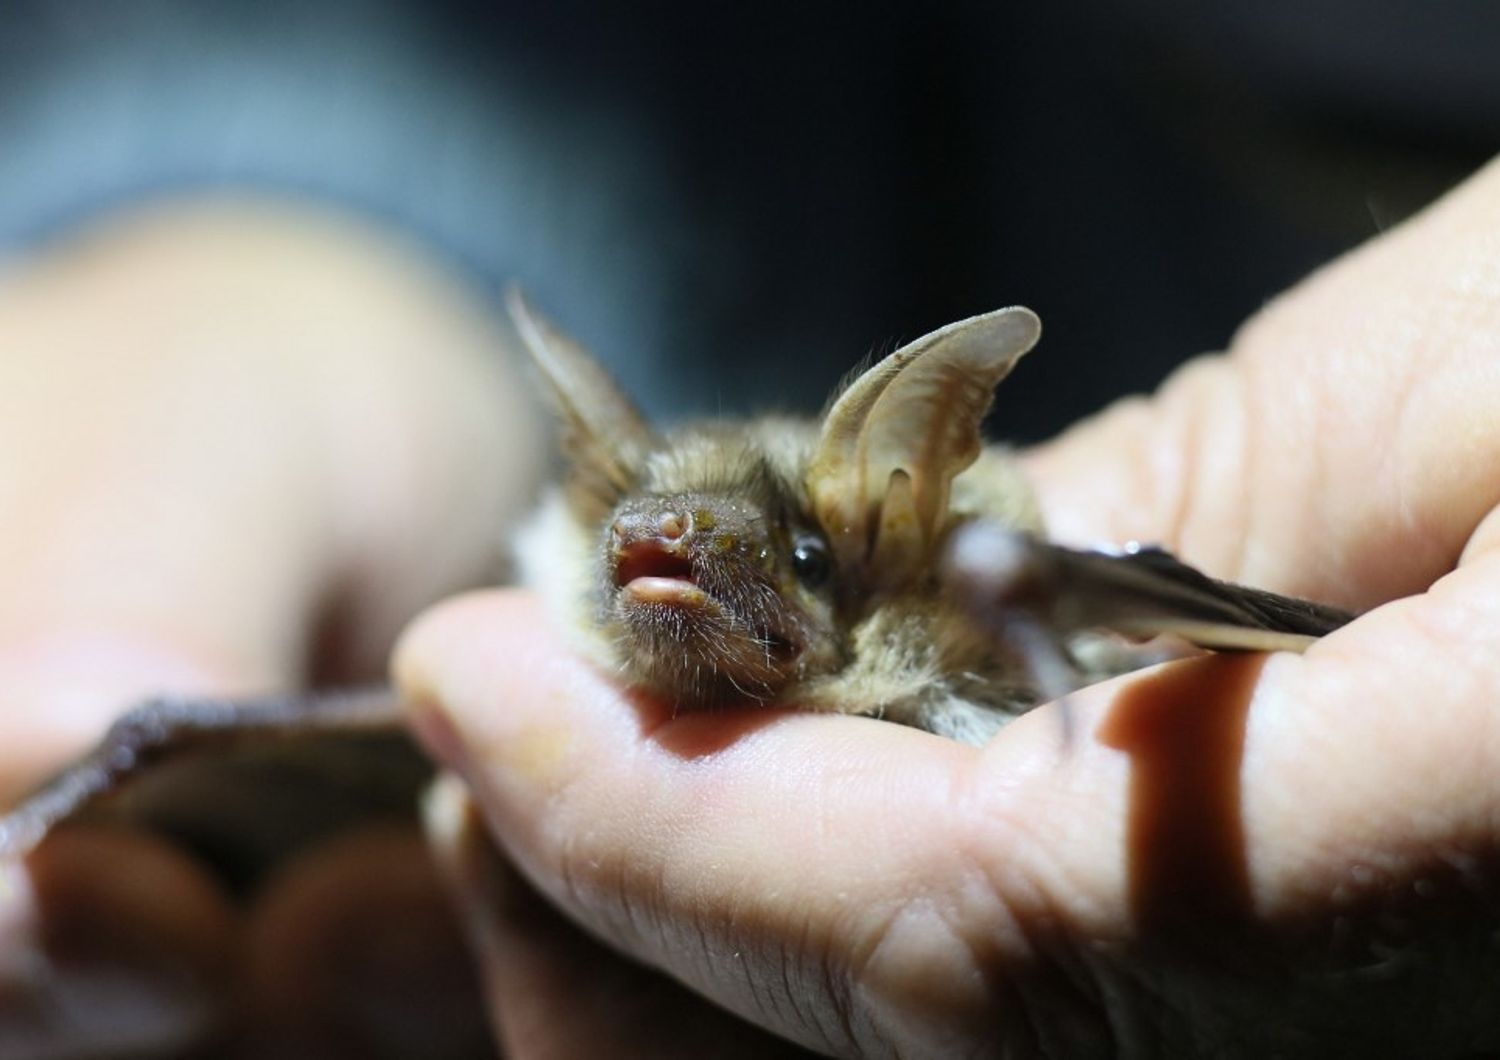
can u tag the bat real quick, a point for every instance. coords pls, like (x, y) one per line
(877, 560)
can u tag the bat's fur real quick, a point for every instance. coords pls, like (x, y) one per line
(853, 643)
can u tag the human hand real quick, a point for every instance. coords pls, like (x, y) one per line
(229, 434)
(1234, 855)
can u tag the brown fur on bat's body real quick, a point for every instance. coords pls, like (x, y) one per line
(773, 560)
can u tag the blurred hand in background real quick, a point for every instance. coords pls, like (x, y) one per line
(240, 443)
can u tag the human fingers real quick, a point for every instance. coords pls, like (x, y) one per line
(1237, 849)
(1342, 449)
(96, 964)
(352, 950)
(816, 875)
(554, 991)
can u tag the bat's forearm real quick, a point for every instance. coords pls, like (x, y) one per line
(1144, 592)
(174, 727)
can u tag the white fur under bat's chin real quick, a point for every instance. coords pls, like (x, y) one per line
(681, 642)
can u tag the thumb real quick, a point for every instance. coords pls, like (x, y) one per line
(553, 990)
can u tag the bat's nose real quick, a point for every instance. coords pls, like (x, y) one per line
(675, 525)
(669, 529)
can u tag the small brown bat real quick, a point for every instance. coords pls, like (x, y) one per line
(801, 562)
(879, 560)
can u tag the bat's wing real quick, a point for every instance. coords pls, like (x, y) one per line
(242, 779)
(1141, 593)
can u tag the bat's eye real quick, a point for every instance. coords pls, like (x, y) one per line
(810, 561)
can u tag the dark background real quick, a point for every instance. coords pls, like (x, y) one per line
(735, 204)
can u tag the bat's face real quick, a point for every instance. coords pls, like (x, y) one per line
(715, 581)
(734, 560)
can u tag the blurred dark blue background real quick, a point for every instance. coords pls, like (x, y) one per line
(734, 204)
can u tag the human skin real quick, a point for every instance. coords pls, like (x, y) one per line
(1251, 855)
(1248, 854)
(230, 431)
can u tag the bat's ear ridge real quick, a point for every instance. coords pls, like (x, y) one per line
(999, 336)
(604, 435)
(911, 419)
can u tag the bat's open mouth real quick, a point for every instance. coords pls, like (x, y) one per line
(697, 619)
(652, 574)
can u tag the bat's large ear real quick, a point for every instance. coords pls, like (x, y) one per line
(605, 436)
(894, 441)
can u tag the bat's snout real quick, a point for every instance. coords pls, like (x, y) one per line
(665, 549)
(650, 549)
